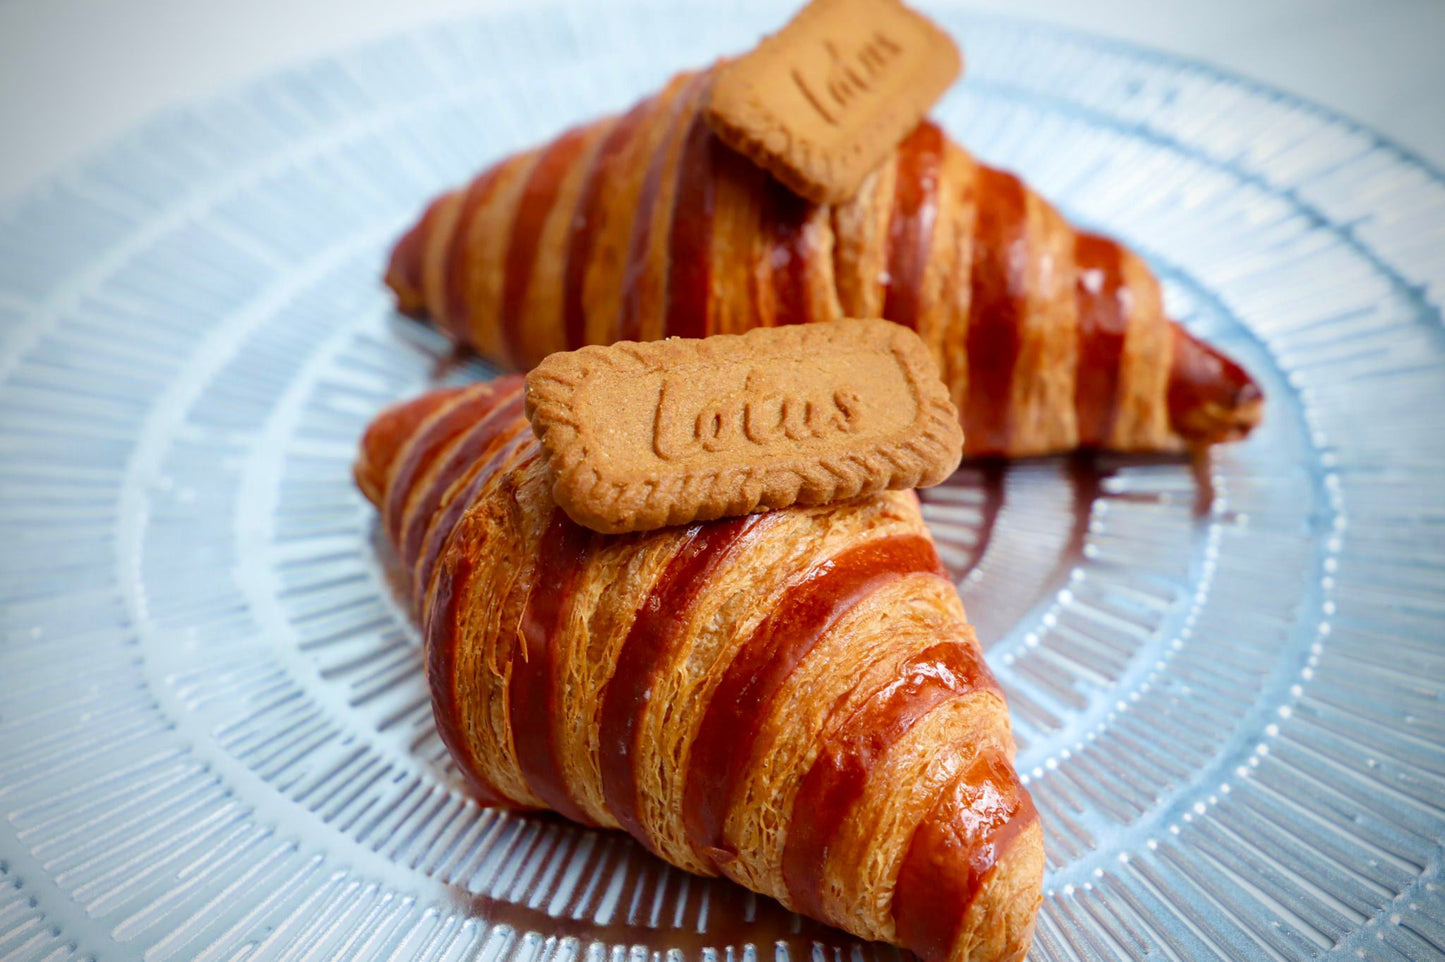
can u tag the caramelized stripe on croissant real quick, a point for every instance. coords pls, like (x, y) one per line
(467, 407)
(1001, 256)
(441, 651)
(525, 288)
(665, 614)
(459, 256)
(685, 683)
(465, 454)
(645, 273)
(1103, 322)
(788, 223)
(838, 776)
(408, 256)
(1208, 392)
(564, 549)
(505, 439)
(690, 234)
(911, 226)
(979, 815)
(723, 745)
(647, 226)
(588, 222)
(389, 434)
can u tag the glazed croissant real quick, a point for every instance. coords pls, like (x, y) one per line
(794, 700)
(645, 225)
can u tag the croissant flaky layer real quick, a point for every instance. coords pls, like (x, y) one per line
(645, 225)
(794, 700)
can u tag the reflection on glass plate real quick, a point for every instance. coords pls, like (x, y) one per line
(215, 742)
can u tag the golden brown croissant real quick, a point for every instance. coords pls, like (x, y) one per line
(794, 700)
(645, 225)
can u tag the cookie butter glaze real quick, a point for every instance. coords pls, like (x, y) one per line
(910, 229)
(785, 221)
(953, 851)
(723, 745)
(1000, 295)
(588, 220)
(388, 437)
(533, 210)
(510, 439)
(644, 287)
(669, 232)
(839, 775)
(690, 236)
(563, 551)
(428, 447)
(455, 316)
(403, 270)
(441, 656)
(1210, 395)
(652, 681)
(1103, 321)
(480, 437)
(654, 632)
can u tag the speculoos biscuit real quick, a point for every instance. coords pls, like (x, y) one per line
(826, 99)
(645, 435)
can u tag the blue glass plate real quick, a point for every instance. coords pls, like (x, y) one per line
(215, 741)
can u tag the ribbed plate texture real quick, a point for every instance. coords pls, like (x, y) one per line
(215, 740)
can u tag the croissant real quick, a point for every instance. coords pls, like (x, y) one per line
(646, 225)
(793, 700)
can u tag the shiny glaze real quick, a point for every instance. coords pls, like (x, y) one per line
(455, 314)
(1000, 281)
(517, 437)
(539, 196)
(910, 227)
(682, 111)
(1211, 398)
(690, 237)
(424, 448)
(759, 669)
(839, 774)
(784, 229)
(507, 401)
(585, 226)
(1103, 301)
(645, 650)
(441, 657)
(562, 555)
(951, 852)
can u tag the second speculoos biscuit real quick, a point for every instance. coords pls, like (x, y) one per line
(642, 436)
(826, 99)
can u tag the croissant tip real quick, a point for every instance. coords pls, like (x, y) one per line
(1211, 398)
(404, 267)
(1249, 404)
(388, 432)
(1235, 419)
(365, 476)
(409, 298)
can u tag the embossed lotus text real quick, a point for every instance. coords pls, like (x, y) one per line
(640, 436)
(826, 99)
(847, 75)
(765, 414)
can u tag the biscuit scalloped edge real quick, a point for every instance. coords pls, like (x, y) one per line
(928, 454)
